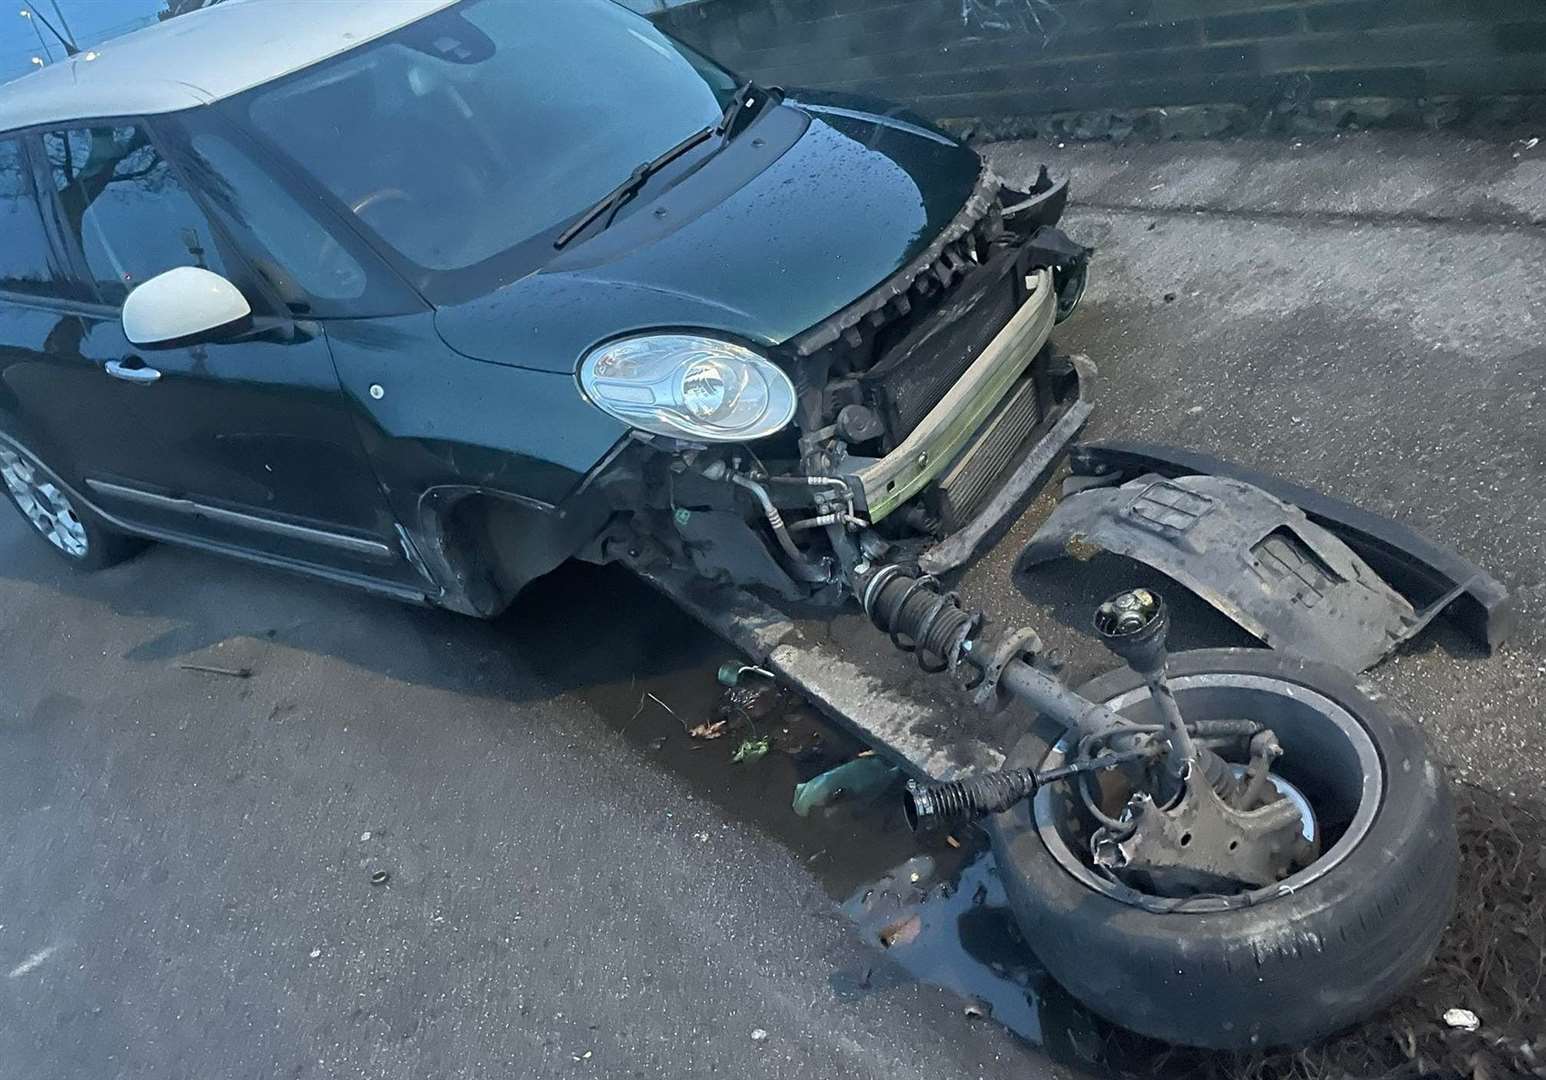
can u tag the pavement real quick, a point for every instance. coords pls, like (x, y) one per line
(1364, 314)
(185, 877)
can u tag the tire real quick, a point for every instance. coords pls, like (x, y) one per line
(1289, 969)
(53, 513)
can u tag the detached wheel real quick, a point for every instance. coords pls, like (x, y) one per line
(74, 533)
(1279, 966)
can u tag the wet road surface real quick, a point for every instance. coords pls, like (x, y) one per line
(185, 880)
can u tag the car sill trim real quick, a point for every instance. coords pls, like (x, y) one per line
(370, 549)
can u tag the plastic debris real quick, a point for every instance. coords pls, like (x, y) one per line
(901, 932)
(731, 673)
(861, 778)
(315, 953)
(1462, 1019)
(709, 729)
(758, 1035)
(751, 750)
(978, 1009)
(380, 877)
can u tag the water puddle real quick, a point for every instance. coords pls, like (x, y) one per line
(942, 907)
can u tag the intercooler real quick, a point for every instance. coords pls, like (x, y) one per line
(967, 484)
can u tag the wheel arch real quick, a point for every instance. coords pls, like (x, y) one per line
(483, 546)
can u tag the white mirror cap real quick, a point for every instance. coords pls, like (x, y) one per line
(182, 304)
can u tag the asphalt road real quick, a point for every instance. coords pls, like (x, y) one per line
(186, 857)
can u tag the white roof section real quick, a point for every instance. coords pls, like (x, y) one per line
(201, 57)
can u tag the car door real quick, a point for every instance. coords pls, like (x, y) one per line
(38, 298)
(244, 443)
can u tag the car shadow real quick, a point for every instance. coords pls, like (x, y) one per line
(579, 626)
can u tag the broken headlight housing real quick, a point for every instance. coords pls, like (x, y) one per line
(689, 386)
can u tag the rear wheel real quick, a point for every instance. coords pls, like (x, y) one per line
(1282, 965)
(72, 531)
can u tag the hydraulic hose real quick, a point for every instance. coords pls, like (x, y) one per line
(821, 521)
(801, 567)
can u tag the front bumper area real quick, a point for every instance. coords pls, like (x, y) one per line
(937, 441)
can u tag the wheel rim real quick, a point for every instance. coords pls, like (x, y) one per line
(44, 504)
(1329, 757)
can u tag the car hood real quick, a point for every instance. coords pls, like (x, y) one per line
(812, 206)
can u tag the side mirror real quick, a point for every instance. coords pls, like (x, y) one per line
(184, 306)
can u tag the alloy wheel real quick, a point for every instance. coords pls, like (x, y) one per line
(44, 504)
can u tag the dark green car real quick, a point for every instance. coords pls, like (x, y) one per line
(430, 297)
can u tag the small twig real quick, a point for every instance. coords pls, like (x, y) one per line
(647, 696)
(235, 673)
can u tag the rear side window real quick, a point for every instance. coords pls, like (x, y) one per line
(24, 250)
(124, 205)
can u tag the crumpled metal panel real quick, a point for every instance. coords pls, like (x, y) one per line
(1255, 558)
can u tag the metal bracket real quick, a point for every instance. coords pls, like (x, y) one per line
(1204, 843)
(1025, 644)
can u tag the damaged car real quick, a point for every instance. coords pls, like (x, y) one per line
(429, 297)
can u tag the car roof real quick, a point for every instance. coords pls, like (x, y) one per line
(200, 57)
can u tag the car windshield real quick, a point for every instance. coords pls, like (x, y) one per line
(477, 132)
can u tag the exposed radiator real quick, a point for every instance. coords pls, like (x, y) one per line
(967, 484)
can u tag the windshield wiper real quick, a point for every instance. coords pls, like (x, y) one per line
(613, 201)
(745, 98)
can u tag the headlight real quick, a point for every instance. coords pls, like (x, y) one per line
(689, 387)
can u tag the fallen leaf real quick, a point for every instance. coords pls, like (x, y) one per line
(901, 932)
(750, 750)
(708, 730)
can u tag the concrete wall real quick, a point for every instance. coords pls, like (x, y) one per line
(1098, 68)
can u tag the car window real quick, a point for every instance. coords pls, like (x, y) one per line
(297, 250)
(121, 200)
(24, 250)
(482, 127)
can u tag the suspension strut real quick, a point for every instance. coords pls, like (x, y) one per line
(922, 618)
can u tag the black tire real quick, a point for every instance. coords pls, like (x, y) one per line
(1288, 970)
(104, 545)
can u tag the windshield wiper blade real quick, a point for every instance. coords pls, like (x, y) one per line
(613, 201)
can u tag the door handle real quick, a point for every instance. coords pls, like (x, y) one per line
(138, 373)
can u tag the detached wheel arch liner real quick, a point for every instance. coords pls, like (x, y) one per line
(1433, 577)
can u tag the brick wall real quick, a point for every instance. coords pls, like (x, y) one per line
(1098, 68)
